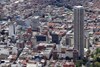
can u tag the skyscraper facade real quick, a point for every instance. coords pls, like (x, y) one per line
(79, 30)
(11, 30)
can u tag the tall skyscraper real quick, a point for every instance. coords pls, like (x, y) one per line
(79, 30)
(11, 30)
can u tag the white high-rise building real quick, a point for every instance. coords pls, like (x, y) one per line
(79, 30)
(11, 30)
(35, 22)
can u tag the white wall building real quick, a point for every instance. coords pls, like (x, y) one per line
(35, 22)
(11, 30)
(69, 53)
(14, 50)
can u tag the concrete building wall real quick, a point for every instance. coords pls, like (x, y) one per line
(35, 23)
(69, 53)
(79, 30)
(3, 56)
(11, 30)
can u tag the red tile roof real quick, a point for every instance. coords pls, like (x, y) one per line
(33, 3)
(50, 24)
(97, 33)
(97, 4)
(54, 29)
(91, 24)
(23, 62)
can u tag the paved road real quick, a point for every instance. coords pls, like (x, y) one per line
(48, 62)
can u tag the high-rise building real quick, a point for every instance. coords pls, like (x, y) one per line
(56, 38)
(11, 30)
(79, 30)
(86, 43)
(67, 41)
(35, 23)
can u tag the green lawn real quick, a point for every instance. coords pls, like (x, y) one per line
(90, 36)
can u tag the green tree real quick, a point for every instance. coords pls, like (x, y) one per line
(80, 62)
(69, 7)
(92, 55)
(58, 66)
(77, 65)
(86, 10)
(97, 64)
(96, 56)
(90, 36)
(97, 51)
(89, 51)
(98, 59)
(0, 18)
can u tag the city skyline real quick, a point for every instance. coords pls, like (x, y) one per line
(49, 33)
